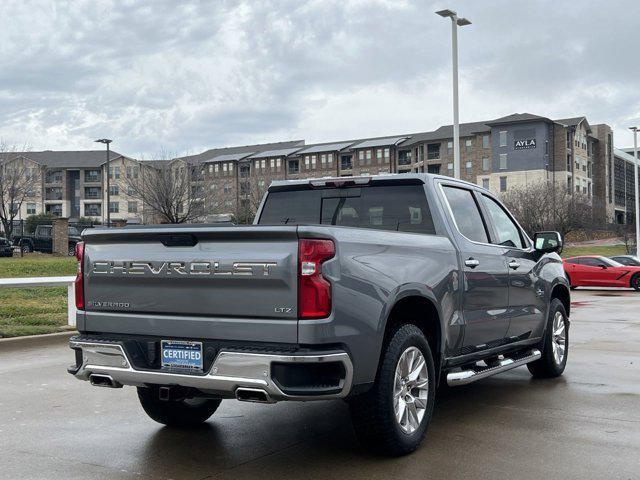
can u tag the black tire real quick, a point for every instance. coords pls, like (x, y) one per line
(548, 366)
(373, 413)
(72, 250)
(635, 282)
(26, 248)
(570, 285)
(176, 413)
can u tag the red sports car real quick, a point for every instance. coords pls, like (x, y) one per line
(594, 271)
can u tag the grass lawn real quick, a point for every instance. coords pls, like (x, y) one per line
(30, 311)
(606, 251)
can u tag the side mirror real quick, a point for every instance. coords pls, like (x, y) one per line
(547, 242)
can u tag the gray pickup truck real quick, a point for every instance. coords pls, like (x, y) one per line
(375, 290)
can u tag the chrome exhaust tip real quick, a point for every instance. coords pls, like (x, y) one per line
(101, 380)
(255, 395)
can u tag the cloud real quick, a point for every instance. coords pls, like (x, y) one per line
(186, 76)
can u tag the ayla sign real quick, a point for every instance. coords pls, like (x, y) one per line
(524, 144)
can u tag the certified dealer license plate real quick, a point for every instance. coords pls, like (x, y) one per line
(183, 355)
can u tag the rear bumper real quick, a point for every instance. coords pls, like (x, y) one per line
(230, 371)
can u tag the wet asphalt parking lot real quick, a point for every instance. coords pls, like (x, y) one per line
(584, 425)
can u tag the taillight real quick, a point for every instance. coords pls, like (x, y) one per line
(79, 282)
(314, 291)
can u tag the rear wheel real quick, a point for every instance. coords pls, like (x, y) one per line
(26, 248)
(570, 284)
(635, 282)
(186, 412)
(72, 250)
(392, 418)
(556, 344)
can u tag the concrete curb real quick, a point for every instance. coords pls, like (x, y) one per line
(36, 340)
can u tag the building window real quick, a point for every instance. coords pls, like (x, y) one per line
(368, 156)
(503, 184)
(226, 188)
(31, 208)
(114, 207)
(114, 190)
(485, 183)
(468, 143)
(386, 155)
(91, 192)
(503, 161)
(503, 138)
(450, 167)
(323, 159)
(114, 173)
(263, 164)
(132, 171)
(132, 207)
(92, 175)
(307, 161)
(329, 158)
(486, 164)
(361, 155)
(485, 141)
(92, 209)
(379, 154)
(294, 166)
(433, 151)
(272, 163)
(449, 147)
(468, 166)
(53, 176)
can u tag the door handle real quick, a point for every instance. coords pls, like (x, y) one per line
(472, 263)
(513, 265)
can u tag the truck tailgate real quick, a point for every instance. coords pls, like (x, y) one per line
(183, 281)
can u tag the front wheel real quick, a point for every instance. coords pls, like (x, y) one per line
(556, 344)
(26, 248)
(635, 282)
(392, 418)
(176, 413)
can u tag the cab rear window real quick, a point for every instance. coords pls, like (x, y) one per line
(400, 208)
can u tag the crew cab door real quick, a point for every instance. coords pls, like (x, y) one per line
(485, 275)
(527, 298)
(43, 238)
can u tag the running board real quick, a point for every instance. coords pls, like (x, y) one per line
(464, 377)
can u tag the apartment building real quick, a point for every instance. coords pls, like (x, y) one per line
(499, 154)
(624, 186)
(73, 184)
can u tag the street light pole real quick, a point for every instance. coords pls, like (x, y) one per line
(455, 22)
(106, 141)
(636, 187)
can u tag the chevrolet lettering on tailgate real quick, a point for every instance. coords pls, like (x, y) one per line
(136, 267)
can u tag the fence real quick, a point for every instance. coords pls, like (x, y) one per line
(47, 282)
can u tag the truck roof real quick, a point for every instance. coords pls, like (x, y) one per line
(366, 179)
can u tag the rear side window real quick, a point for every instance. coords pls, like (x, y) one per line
(400, 208)
(466, 214)
(575, 261)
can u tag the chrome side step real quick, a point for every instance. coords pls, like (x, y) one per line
(464, 377)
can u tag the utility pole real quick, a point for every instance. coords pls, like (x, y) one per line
(455, 22)
(106, 141)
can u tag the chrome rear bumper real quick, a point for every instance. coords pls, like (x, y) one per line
(230, 371)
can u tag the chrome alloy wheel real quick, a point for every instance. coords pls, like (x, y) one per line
(410, 389)
(559, 338)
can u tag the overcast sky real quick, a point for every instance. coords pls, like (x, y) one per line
(185, 76)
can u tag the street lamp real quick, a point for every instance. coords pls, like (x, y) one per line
(106, 141)
(455, 22)
(636, 187)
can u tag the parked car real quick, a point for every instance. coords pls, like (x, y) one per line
(629, 260)
(371, 289)
(597, 271)
(6, 247)
(42, 240)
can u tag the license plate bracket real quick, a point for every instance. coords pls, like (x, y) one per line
(182, 355)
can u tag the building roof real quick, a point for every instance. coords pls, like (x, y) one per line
(251, 149)
(623, 155)
(67, 159)
(446, 131)
(380, 142)
(570, 122)
(229, 157)
(327, 147)
(518, 117)
(283, 152)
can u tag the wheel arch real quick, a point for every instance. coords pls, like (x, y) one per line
(419, 309)
(561, 292)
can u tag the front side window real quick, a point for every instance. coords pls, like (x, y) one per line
(466, 214)
(508, 233)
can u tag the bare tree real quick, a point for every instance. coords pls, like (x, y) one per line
(253, 189)
(15, 183)
(545, 206)
(626, 232)
(167, 190)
